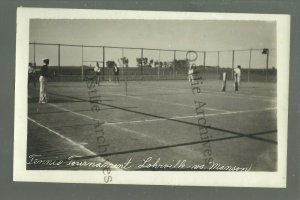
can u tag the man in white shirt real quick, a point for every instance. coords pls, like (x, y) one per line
(97, 70)
(237, 77)
(116, 72)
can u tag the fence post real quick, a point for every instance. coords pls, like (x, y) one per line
(126, 86)
(122, 64)
(142, 56)
(124, 73)
(82, 62)
(233, 65)
(58, 58)
(218, 63)
(34, 52)
(174, 66)
(158, 69)
(266, 51)
(267, 65)
(103, 65)
(204, 63)
(249, 67)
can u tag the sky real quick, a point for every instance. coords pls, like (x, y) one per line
(199, 35)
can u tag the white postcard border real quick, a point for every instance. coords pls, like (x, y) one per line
(236, 179)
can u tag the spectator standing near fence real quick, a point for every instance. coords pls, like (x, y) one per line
(116, 73)
(31, 74)
(43, 81)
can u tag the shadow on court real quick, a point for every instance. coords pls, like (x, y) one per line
(152, 124)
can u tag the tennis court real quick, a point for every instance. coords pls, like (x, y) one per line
(155, 119)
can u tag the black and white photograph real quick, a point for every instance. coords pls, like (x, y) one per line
(158, 98)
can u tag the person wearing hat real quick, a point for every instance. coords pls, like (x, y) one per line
(43, 81)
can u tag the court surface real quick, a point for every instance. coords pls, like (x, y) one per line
(157, 120)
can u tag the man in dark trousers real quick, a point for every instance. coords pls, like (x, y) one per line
(116, 72)
(31, 74)
(237, 77)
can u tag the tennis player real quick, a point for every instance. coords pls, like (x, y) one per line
(43, 81)
(224, 78)
(97, 70)
(190, 73)
(31, 74)
(116, 72)
(237, 75)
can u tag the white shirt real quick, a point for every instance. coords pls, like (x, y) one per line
(237, 71)
(224, 76)
(97, 69)
(115, 69)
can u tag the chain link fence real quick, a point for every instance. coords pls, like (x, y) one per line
(68, 62)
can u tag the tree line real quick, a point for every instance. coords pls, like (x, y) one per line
(150, 63)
